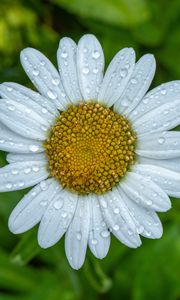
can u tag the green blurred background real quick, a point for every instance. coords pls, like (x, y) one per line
(150, 272)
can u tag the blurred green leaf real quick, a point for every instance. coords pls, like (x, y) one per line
(117, 12)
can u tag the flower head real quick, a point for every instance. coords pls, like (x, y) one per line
(98, 150)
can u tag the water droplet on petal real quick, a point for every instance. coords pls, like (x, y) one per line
(51, 95)
(96, 54)
(116, 227)
(161, 140)
(116, 210)
(94, 242)
(64, 54)
(123, 72)
(55, 81)
(134, 81)
(85, 70)
(9, 185)
(79, 236)
(11, 107)
(35, 168)
(27, 170)
(149, 202)
(9, 89)
(105, 233)
(58, 204)
(42, 63)
(33, 148)
(15, 171)
(163, 92)
(35, 72)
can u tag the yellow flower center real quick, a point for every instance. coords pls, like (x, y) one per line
(90, 148)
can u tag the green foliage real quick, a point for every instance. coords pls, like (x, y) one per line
(150, 272)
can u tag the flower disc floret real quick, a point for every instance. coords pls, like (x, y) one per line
(90, 148)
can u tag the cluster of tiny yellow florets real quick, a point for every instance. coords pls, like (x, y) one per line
(90, 148)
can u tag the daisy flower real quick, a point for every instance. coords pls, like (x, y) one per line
(96, 148)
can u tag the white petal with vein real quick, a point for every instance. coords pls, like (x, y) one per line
(20, 175)
(117, 218)
(29, 211)
(44, 76)
(98, 244)
(168, 180)
(76, 238)
(22, 120)
(146, 221)
(66, 57)
(138, 84)
(162, 118)
(117, 76)
(161, 145)
(145, 192)
(56, 218)
(164, 93)
(13, 142)
(90, 66)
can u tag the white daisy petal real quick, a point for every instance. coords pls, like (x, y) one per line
(162, 118)
(90, 66)
(168, 180)
(159, 145)
(20, 175)
(118, 219)
(170, 164)
(76, 238)
(165, 93)
(98, 243)
(145, 192)
(13, 142)
(16, 157)
(30, 99)
(117, 76)
(56, 218)
(147, 221)
(22, 120)
(138, 84)
(44, 76)
(32, 206)
(66, 57)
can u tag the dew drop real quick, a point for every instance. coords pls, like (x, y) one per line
(9, 185)
(33, 148)
(21, 184)
(94, 242)
(43, 185)
(134, 81)
(163, 92)
(96, 54)
(130, 232)
(11, 107)
(15, 171)
(58, 204)
(95, 70)
(85, 71)
(103, 203)
(161, 140)
(105, 233)
(2, 141)
(149, 202)
(64, 214)
(27, 170)
(9, 89)
(116, 227)
(64, 54)
(42, 63)
(51, 95)
(140, 229)
(35, 168)
(123, 72)
(79, 236)
(44, 110)
(35, 72)
(116, 210)
(55, 81)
